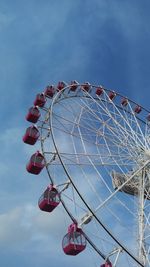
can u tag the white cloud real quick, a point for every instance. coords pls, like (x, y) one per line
(25, 224)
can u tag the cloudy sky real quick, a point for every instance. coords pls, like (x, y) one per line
(43, 41)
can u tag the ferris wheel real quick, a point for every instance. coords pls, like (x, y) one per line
(95, 147)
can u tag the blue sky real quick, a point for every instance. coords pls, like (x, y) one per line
(43, 41)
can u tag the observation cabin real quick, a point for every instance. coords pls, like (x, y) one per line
(31, 136)
(112, 95)
(73, 85)
(40, 100)
(49, 200)
(61, 85)
(99, 91)
(106, 264)
(86, 86)
(33, 114)
(124, 101)
(74, 241)
(49, 91)
(148, 117)
(36, 163)
(137, 109)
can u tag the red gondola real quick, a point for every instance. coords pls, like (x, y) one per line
(33, 114)
(31, 136)
(106, 264)
(124, 101)
(137, 109)
(49, 91)
(61, 85)
(99, 91)
(36, 163)
(40, 100)
(74, 241)
(73, 85)
(148, 117)
(112, 95)
(86, 86)
(49, 200)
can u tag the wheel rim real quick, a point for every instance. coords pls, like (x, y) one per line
(94, 135)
